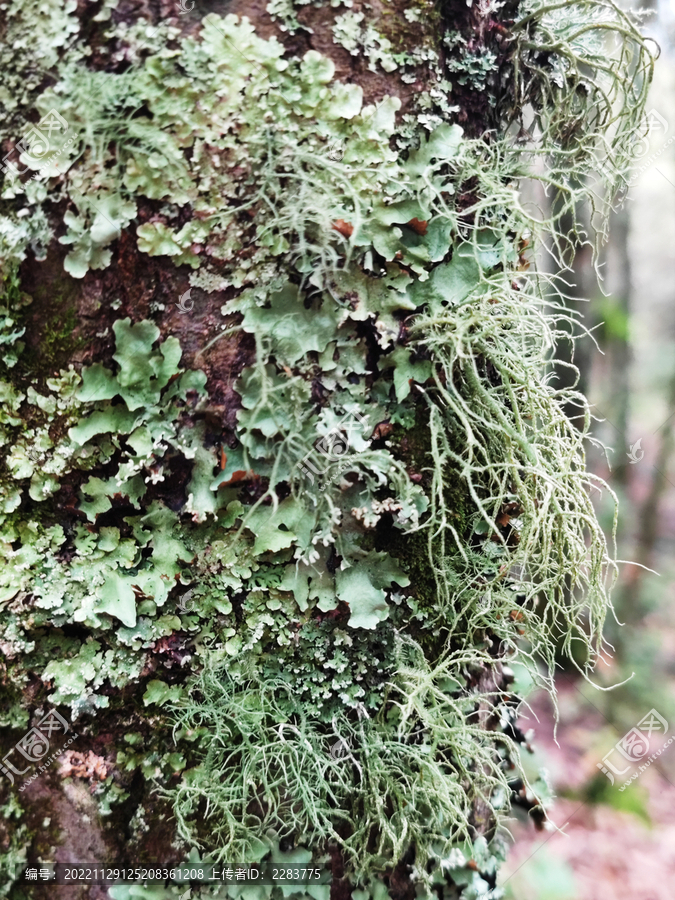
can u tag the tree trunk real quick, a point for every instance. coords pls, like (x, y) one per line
(280, 488)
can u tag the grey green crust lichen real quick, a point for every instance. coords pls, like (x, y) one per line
(232, 612)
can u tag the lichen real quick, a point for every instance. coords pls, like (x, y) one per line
(471, 67)
(318, 573)
(355, 34)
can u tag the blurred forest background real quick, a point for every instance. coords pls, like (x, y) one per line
(621, 844)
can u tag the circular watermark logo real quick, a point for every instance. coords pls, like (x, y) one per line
(340, 749)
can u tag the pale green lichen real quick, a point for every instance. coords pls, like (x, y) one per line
(353, 32)
(332, 597)
(37, 33)
(471, 67)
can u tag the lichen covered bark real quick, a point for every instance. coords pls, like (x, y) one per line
(284, 483)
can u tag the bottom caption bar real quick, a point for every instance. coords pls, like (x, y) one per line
(104, 874)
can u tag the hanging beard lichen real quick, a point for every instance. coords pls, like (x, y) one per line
(399, 505)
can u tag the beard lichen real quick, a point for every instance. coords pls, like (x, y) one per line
(402, 505)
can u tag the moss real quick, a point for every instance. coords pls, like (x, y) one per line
(15, 838)
(57, 344)
(47, 321)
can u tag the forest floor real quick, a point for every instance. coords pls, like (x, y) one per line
(601, 851)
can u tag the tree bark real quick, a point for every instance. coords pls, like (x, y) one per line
(165, 470)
